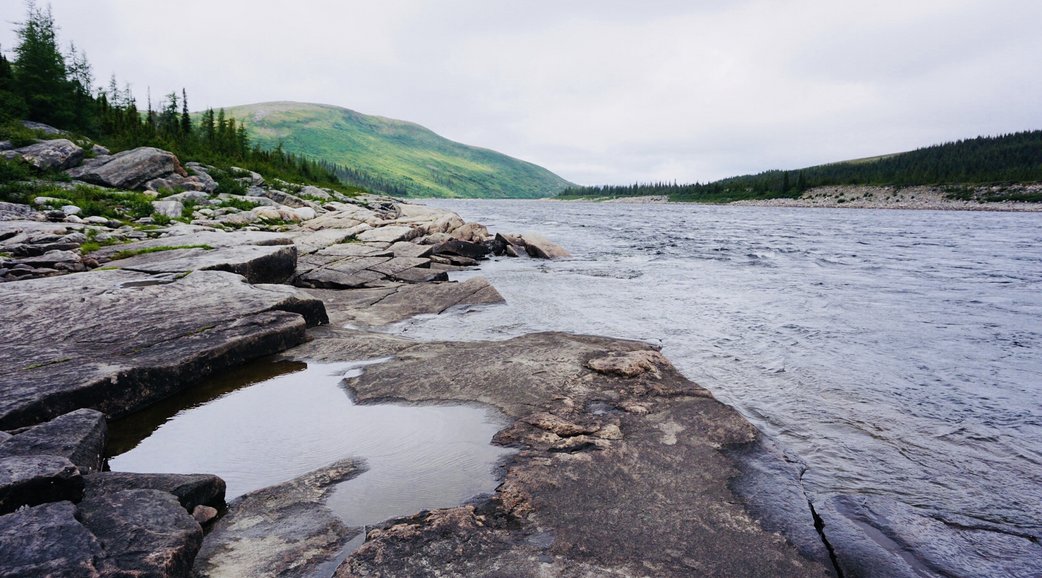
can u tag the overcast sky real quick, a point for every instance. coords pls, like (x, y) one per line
(599, 91)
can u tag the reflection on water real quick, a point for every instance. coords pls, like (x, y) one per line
(272, 422)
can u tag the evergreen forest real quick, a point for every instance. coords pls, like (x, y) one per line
(45, 84)
(986, 160)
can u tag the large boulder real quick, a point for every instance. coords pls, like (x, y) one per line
(78, 436)
(542, 248)
(130, 169)
(57, 154)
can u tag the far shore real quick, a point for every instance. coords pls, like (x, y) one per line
(921, 198)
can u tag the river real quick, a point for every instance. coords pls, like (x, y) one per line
(895, 353)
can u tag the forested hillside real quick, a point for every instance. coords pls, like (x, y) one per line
(1005, 159)
(41, 83)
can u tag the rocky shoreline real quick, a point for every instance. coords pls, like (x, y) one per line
(624, 467)
(907, 198)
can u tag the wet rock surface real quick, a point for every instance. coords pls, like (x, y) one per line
(285, 530)
(606, 481)
(117, 340)
(878, 536)
(624, 467)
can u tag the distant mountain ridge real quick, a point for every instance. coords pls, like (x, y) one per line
(393, 156)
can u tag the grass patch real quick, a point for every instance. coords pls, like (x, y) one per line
(157, 249)
(241, 204)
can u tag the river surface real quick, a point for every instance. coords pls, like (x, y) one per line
(894, 352)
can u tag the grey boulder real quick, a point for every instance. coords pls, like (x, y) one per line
(129, 169)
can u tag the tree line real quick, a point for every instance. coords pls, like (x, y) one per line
(42, 83)
(1010, 158)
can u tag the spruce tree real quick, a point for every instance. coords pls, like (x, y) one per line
(186, 119)
(40, 72)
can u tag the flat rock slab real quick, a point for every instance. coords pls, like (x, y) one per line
(285, 530)
(260, 257)
(117, 340)
(622, 471)
(78, 436)
(390, 234)
(397, 302)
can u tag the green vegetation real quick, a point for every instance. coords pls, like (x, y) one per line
(1000, 160)
(44, 85)
(399, 158)
(157, 249)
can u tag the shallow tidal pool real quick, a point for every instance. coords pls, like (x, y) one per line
(271, 421)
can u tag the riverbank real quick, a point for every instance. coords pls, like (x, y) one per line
(907, 198)
(606, 429)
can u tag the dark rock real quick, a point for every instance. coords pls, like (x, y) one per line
(284, 530)
(116, 340)
(58, 154)
(191, 490)
(32, 480)
(129, 169)
(38, 249)
(78, 436)
(462, 249)
(500, 243)
(879, 536)
(143, 532)
(48, 541)
(50, 258)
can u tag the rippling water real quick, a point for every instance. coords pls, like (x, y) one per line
(895, 352)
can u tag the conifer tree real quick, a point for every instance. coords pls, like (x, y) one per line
(39, 70)
(186, 119)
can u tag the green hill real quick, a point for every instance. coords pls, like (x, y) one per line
(995, 160)
(393, 156)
